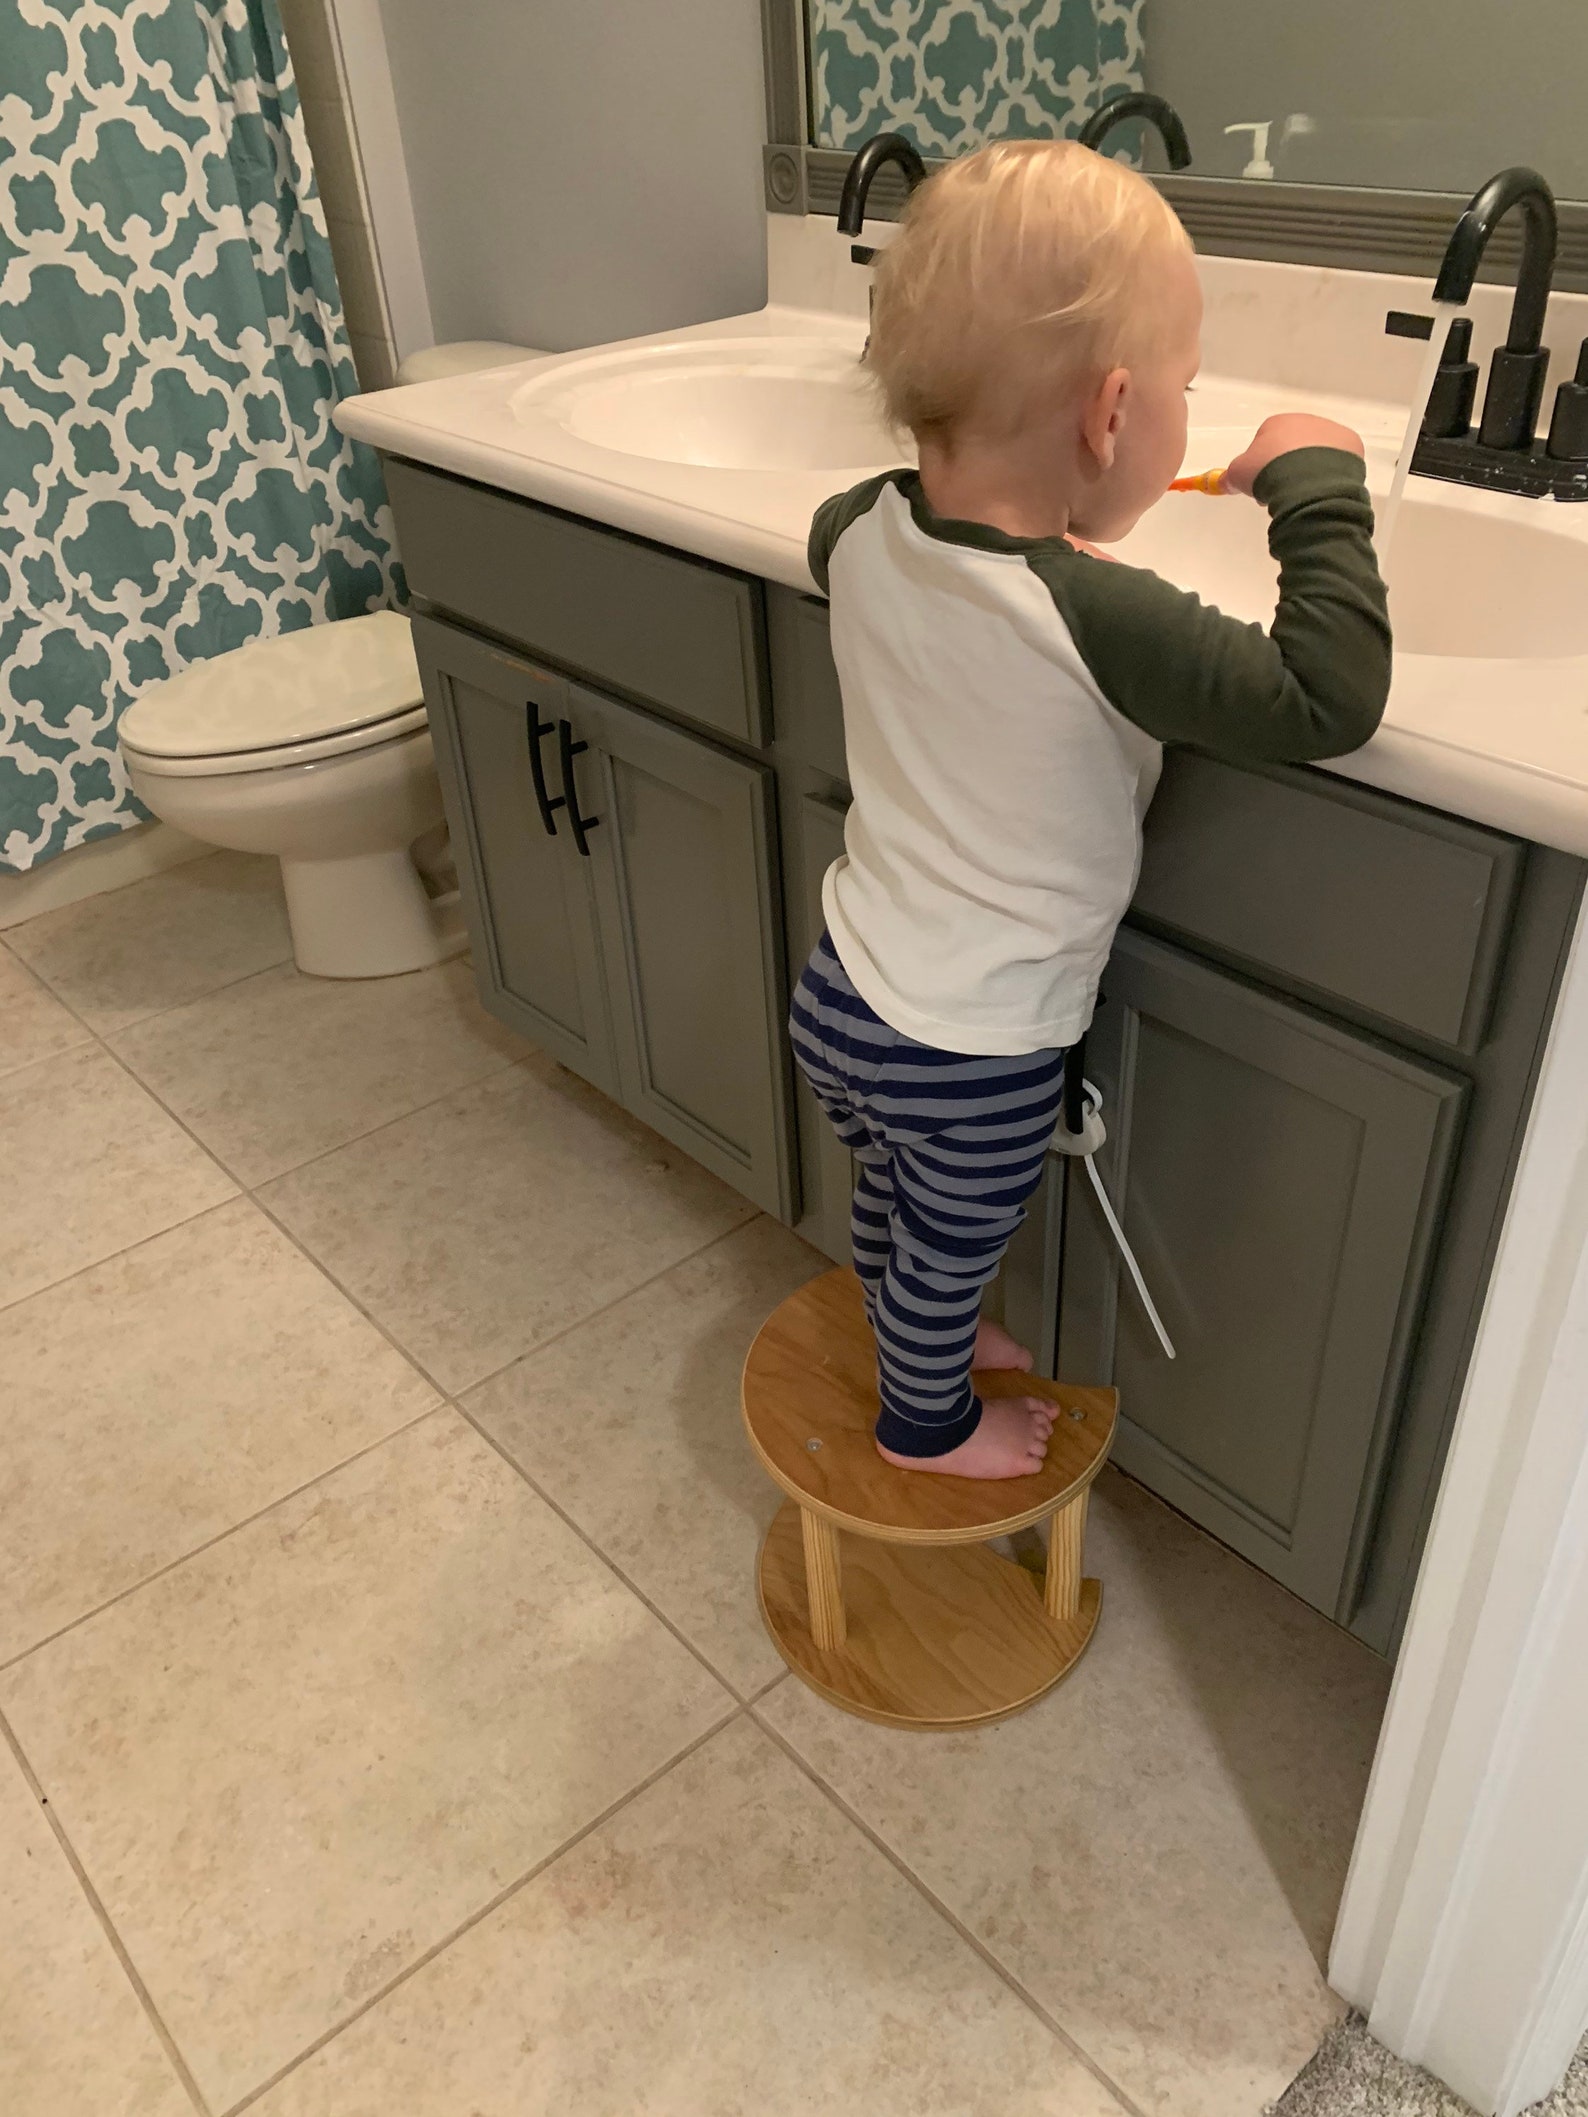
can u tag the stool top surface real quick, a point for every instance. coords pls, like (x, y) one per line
(811, 1377)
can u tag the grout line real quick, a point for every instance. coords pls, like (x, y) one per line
(767, 1689)
(260, 970)
(324, 1153)
(244, 1522)
(602, 1557)
(541, 1344)
(924, 1889)
(110, 1256)
(195, 1000)
(485, 1910)
(103, 1039)
(452, 1395)
(129, 1969)
(251, 1185)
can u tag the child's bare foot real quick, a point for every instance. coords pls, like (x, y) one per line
(1011, 1440)
(995, 1348)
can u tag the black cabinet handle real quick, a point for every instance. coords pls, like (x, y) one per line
(537, 730)
(567, 751)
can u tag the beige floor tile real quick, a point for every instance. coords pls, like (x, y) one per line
(167, 1394)
(295, 1762)
(282, 1067)
(132, 952)
(74, 2039)
(33, 1023)
(484, 1225)
(726, 1943)
(631, 1423)
(1156, 1850)
(91, 1164)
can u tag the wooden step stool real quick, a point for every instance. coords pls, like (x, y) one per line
(909, 1618)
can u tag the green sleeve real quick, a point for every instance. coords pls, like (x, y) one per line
(834, 516)
(1314, 685)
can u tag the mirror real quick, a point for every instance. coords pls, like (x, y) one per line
(1400, 95)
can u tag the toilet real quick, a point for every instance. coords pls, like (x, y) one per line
(312, 746)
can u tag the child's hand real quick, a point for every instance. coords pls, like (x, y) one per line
(1278, 436)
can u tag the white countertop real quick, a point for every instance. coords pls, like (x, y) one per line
(1499, 739)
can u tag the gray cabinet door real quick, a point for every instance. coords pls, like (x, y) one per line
(1280, 1180)
(530, 905)
(681, 858)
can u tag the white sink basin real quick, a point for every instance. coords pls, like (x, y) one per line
(753, 405)
(1462, 583)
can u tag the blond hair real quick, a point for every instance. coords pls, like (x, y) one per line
(1019, 271)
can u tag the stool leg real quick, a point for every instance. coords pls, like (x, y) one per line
(824, 1581)
(1061, 1593)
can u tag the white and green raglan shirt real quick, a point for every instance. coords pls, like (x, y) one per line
(1006, 703)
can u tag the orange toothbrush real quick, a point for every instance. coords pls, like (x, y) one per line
(1208, 481)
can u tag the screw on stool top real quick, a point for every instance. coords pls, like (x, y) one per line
(811, 1376)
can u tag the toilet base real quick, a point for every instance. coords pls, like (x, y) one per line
(367, 916)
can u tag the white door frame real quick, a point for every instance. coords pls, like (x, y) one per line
(1463, 1934)
(360, 41)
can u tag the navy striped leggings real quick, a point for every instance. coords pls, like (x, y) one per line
(949, 1149)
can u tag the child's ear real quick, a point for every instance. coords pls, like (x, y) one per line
(1104, 415)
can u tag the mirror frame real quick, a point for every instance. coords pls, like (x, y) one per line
(1359, 230)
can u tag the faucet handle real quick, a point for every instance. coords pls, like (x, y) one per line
(1568, 427)
(1513, 399)
(1401, 323)
(1448, 412)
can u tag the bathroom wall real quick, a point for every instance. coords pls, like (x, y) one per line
(581, 172)
(1405, 94)
(328, 120)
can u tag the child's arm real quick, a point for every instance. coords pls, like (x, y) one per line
(1314, 685)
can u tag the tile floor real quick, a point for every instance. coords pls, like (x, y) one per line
(388, 1727)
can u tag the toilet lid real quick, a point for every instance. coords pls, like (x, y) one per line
(296, 688)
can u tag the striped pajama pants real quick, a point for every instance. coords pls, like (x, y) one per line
(949, 1148)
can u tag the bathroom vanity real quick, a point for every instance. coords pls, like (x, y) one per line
(1321, 1024)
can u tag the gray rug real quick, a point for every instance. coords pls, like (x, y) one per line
(1352, 2075)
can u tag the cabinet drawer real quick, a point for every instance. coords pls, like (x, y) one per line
(810, 705)
(1392, 909)
(677, 632)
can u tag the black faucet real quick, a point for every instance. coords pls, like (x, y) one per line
(1516, 377)
(1504, 454)
(1139, 103)
(880, 149)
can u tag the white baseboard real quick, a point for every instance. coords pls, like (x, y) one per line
(108, 863)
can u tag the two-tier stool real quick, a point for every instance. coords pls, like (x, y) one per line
(877, 1584)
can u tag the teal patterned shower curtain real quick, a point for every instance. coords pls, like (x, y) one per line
(953, 74)
(171, 350)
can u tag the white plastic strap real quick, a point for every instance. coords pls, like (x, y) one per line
(1129, 1256)
(1086, 1143)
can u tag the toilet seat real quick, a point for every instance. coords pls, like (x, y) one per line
(292, 700)
(214, 763)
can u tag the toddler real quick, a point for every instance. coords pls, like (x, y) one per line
(1007, 695)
